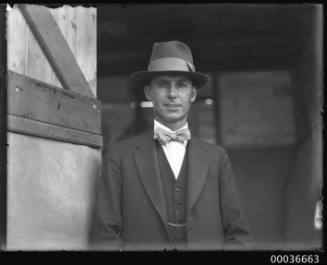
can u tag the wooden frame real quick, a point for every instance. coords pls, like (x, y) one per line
(50, 131)
(39, 109)
(55, 48)
(71, 114)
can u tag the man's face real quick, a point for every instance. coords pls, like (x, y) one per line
(171, 96)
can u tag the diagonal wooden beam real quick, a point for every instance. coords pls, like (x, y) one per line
(55, 48)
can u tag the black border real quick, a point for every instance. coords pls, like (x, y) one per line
(203, 257)
(167, 258)
(3, 128)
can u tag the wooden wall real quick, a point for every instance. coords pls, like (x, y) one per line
(78, 25)
(257, 109)
(50, 183)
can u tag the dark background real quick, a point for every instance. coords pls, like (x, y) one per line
(270, 126)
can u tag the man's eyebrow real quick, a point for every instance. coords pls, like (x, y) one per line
(160, 79)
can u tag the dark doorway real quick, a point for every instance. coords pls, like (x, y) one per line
(261, 104)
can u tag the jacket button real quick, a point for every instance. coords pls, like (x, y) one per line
(177, 189)
(179, 206)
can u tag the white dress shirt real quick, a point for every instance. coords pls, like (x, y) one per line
(173, 150)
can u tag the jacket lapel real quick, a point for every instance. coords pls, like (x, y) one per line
(197, 171)
(147, 165)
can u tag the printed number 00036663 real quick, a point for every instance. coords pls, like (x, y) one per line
(294, 259)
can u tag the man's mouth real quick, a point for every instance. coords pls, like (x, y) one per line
(171, 105)
(173, 108)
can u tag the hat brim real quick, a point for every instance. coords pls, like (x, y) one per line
(139, 79)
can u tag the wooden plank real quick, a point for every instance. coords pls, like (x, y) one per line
(54, 132)
(55, 48)
(65, 17)
(37, 65)
(16, 34)
(37, 100)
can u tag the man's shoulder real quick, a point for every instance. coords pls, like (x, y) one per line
(210, 146)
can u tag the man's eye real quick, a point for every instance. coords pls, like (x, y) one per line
(161, 84)
(184, 84)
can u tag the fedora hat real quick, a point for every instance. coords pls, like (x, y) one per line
(171, 57)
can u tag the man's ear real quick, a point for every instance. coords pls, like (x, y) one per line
(195, 93)
(147, 92)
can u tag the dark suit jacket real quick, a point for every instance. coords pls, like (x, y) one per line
(131, 211)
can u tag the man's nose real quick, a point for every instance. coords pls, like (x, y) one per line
(172, 91)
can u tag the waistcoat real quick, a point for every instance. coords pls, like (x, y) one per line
(175, 196)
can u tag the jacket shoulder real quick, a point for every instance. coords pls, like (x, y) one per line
(210, 146)
(217, 151)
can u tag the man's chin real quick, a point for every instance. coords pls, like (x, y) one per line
(173, 118)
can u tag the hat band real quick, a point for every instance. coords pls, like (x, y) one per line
(171, 64)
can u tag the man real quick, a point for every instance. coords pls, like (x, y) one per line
(165, 189)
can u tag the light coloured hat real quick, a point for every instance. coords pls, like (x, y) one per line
(173, 57)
